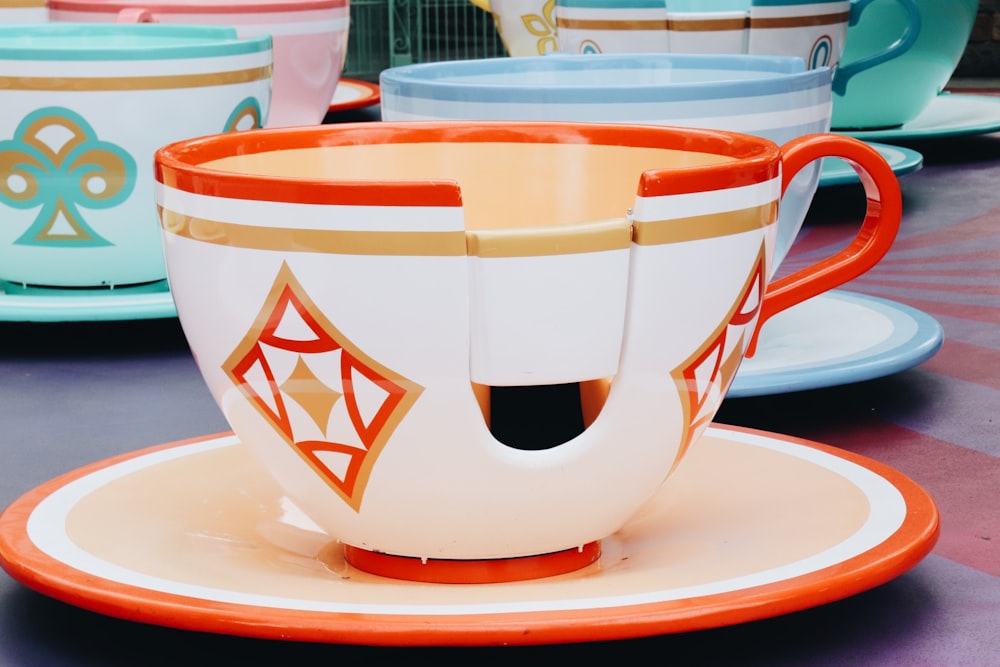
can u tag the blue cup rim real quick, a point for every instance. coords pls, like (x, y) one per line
(452, 80)
(123, 41)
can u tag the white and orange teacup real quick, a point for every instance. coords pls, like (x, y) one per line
(82, 110)
(309, 36)
(350, 290)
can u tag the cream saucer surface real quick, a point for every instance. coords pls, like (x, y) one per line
(354, 94)
(195, 535)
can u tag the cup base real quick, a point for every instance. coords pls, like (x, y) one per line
(9, 287)
(473, 571)
(866, 128)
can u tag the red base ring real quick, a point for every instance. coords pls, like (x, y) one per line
(483, 571)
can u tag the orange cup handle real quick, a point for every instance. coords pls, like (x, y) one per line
(878, 230)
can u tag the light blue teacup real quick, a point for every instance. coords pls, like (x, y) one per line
(896, 91)
(773, 97)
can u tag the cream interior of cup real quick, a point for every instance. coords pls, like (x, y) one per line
(518, 185)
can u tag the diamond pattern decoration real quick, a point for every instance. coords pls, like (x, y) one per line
(706, 376)
(318, 399)
(332, 403)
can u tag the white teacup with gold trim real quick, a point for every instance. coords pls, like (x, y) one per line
(813, 30)
(23, 11)
(349, 291)
(527, 27)
(612, 26)
(82, 109)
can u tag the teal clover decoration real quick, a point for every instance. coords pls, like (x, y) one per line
(56, 162)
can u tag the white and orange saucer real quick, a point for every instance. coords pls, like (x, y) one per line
(195, 535)
(354, 94)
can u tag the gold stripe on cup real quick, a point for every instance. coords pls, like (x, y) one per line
(347, 242)
(604, 24)
(555, 240)
(713, 225)
(593, 237)
(18, 4)
(134, 82)
(799, 21)
(706, 25)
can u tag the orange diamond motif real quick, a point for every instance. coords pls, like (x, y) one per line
(332, 403)
(706, 376)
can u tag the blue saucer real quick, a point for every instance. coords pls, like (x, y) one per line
(833, 339)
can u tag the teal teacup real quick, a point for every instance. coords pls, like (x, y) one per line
(82, 109)
(898, 90)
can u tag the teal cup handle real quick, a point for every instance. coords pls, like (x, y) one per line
(896, 49)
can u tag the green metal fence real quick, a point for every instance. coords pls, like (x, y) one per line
(388, 33)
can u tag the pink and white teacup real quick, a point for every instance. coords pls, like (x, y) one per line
(83, 107)
(309, 37)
